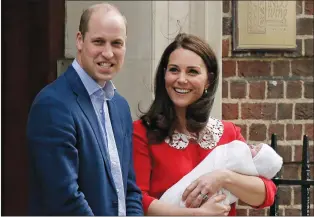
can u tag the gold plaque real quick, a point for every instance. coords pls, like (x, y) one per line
(264, 25)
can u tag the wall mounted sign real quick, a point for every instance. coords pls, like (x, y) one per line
(264, 25)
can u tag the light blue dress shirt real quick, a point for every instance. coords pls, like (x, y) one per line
(99, 95)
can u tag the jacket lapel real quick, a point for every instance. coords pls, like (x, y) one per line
(86, 105)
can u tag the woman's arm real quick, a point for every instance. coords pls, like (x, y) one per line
(160, 208)
(250, 189)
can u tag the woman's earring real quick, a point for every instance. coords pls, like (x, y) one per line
(205, 91)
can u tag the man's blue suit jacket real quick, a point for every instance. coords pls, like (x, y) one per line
(69, 167)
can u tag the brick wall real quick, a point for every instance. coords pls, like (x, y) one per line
(272, 92)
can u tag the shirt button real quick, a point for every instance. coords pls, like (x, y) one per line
(117, 190)
(100, 111)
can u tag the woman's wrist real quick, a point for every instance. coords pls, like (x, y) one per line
(200, 212)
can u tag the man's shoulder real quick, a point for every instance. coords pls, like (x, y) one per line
(56, 90)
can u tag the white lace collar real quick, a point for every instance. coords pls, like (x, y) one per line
(208, 137)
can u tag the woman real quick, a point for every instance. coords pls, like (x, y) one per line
(177, 133)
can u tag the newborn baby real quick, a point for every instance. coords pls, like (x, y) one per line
(237, 156)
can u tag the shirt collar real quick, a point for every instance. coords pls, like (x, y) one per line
(91, 85)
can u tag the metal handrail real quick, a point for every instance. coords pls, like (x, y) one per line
(305, 180)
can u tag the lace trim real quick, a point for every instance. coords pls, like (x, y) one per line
(208, 137)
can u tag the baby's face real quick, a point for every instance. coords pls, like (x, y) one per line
(255, 149)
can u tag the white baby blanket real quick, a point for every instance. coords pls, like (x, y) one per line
(235, 156)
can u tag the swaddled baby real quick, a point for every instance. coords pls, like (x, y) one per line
(237, 156)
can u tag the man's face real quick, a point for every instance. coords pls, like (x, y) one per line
(101, 52)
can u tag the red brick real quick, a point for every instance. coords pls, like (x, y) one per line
(297, 195)
(238, 89)
(225, 89)
(275, 89)
(309, 7)
(292, 212)
(299, 151)
(257, 89)
(243, 130)
(285, 151)
(304, 111)
(278, 129)
(226, 25)
(242, 212)
(230, 111)
(305, 26)
(309, 131)
(257, 132)
(251, 111)
(228, 68)
(294, 89)
(302, 67)
(308, 90)
(257, 212)
(225, 47)
(294, 132)
(291, 171)
(281, 68)
(284, 111)
(266, 111)
(226, 6)
(284, 195)
(254, 68)
(308, 46)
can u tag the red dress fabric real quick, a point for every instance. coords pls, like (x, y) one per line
(159, 166)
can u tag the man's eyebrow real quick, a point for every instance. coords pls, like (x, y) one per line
(97, 38)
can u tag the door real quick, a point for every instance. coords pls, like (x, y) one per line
(32, 42)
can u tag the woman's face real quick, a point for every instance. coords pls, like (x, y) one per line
(185, 78)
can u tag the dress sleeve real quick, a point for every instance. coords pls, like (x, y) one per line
(142, 163)
(271, 190)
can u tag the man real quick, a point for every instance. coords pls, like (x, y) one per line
(80, 129)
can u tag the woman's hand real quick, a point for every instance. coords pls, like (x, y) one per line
(203, 188)
(214, 206)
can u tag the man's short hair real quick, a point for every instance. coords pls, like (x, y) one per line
(87, 13)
